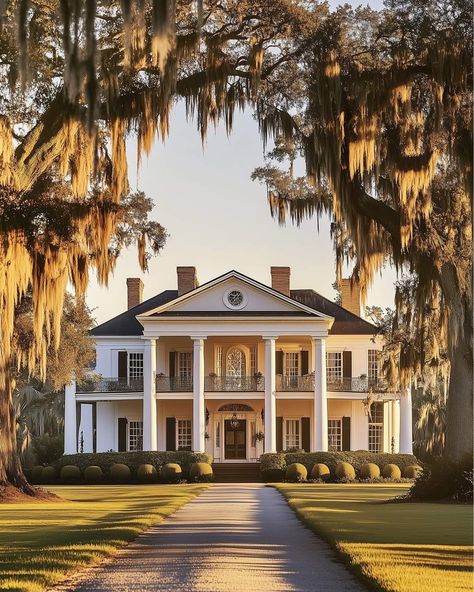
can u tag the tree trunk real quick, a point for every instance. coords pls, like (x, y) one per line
(11, 473)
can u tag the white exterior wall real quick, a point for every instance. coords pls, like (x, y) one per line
(106, 426)
(359, 427)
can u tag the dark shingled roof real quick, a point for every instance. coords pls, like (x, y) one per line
(346, 323)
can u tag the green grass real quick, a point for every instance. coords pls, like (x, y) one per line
(42, 543)
(397, 547)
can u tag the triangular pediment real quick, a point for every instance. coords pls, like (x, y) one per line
(234, 293)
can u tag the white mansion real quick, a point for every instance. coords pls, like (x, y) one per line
(236, 368)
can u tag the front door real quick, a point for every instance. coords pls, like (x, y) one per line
(235, 440)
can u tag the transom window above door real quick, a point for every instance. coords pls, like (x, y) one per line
(235, 362)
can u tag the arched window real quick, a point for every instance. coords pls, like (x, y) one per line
(235, 363)
(235, 407)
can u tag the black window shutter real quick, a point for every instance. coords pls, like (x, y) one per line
(304, 362)
(122, 365)
(305, 433)
(279, 434)
(94, 427)
(171, 433)
(278, 362)
(122, 434)
(347, 364)
(172, 365)
(346, 433)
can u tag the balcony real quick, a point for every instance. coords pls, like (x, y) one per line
(295, 383)
(230, 384)
(110, 385)
(355, 385)
(173, 384)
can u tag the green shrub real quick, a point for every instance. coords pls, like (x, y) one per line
(320, 471)
(36, 473)
(147, 473)
(47, 449)
(120, 473)
(93, 474)
(296, 472)
(200, 472)
(356, 458)
(171, 473)
(70, 474)
(369, 471)
(391, 471)
(272, 475)
(443, 479)
(48, 475)
(412, 471)
(345, 471)
(133, 460)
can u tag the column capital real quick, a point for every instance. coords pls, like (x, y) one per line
(148, 339)
(270, 337)
(198, 337)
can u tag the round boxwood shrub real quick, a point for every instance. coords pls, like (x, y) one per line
(412, 471)
(120, 473)
(320, 471)
(48, 475)
(70, 474)
(296, 472)
(391, 472)
(171, 472)
(93, 474)
(146, 473)
(200, 472)
(37, 473)
(369, 471)
(345, 470)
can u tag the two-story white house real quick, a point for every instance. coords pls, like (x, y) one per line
(236, 368)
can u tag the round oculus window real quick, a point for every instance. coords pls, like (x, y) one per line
(235, 298)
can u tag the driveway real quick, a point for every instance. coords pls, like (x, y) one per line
(233, 537)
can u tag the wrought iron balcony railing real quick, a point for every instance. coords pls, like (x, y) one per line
(168, 384)
(111, 385)
(234, 383)
(294, 383)
(355, 385)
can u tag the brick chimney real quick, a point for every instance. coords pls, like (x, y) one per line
(134, 292)
(187, 279)
(350, 296)
(281, 279)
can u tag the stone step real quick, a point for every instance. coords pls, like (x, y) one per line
(237, 472)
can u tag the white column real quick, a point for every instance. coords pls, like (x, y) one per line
(320, 406)
(150, 437)
(395, 425)
(406, 436)
(199, 413)
(270, 395)
(70, 427)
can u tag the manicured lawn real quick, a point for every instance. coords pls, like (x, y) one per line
(40, 543)
(414, 547)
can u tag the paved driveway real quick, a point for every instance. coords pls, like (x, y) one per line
(233, 537)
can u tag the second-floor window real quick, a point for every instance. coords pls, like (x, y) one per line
(373, 356)
(334, 366)
(184, 364)
(291, 364)
(135, 365)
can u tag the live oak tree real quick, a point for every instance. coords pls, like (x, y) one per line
(375, 101)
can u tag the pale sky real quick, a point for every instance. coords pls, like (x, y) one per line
(218, 219)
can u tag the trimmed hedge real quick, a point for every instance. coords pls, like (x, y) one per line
(171, 473)
(279, 461)
(201, 472)
(93, 474)
(133, 460)
(369, 471)
(49, 475)
(296, 472)
(70, 474)
(36, 474)
(320, 471)
(345, 471)
(391, 471)
(147, 474)
(412, 471)
(120, 473)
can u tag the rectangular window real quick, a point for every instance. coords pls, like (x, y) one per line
(253, 361)
(373, 356)
(185, 364)
(219, 361)
(292, 364)
(292, 433)
(376, 428)
(135, 435)
(183, 434)
(334, 366)
(334, 435)
(135, 366)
